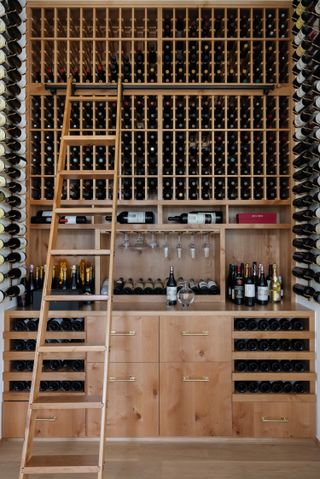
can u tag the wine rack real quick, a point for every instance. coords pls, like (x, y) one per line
(12, 148)
(273, 356)
(306, 175)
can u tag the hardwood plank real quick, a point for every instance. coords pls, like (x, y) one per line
(61, 464)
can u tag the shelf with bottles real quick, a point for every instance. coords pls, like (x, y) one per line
(194, 44)
(167, 147)
(273, 356)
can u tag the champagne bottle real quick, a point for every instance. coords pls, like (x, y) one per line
(275, 286)
(171, 289)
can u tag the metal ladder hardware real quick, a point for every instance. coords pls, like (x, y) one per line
(68, 464)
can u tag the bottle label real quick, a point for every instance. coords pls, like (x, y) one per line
(136, 217)
(249, 290)
(238, 292)
(171, 293)
(201, 218)
(263, 293)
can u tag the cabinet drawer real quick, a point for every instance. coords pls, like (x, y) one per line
(195, 399)
(133, 398)
(278, 419)
(195, 338)
(133, 338)
(54, 423)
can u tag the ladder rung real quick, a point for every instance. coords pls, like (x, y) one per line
(68, 348)
(87, 174)
(80, 252)
(79, 140)
(62, 464)
(83, 211)
(93, 98)
(76, 297)
(67, 402)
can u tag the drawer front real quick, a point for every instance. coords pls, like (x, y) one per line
(133, 398)
(195, 399)
(279, 419)
(50, 423)
(193, 338)
(133, 338)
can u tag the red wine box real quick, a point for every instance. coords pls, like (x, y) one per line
(256, 218)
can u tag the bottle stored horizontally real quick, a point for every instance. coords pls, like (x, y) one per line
(134, 217)
(198, 218)
(171, 288)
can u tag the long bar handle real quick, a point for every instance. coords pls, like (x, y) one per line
(123, 333)
(282, 419)
(130, 379)
(48, 419)
(196, 333)
(201, 379)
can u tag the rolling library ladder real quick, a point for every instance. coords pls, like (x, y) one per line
(73, 464)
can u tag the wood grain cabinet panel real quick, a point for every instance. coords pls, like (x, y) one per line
(133, 400)
(195, 399)
(53, 423)
(133, 338)
(195, 338)
(274, 419)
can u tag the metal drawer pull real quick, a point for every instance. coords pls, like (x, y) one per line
(201, 379)
(130, 379)
(190, 333)
(123, 333)
(49, 418)
(282, 419)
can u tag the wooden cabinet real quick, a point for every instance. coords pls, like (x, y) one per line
(195, 399)
(50, 423)
(195, 338)
(274, 419)
(133, 398)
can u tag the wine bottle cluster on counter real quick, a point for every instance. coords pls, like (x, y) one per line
(12, 146)
(75, 279)
(159, 286)
(271, 387)
(307, 135)
(250, 285)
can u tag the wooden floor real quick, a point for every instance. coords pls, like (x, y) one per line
(296, 460)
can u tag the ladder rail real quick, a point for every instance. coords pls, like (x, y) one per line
(37, 365)
(110, 283)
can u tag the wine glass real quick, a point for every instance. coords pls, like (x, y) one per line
(206, 247)
(185, 295)
(125, 244)
(153, 242)
(166, 247)
(192, 248)
(179, 247)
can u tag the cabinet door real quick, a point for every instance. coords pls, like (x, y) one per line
(274, 419)
(51, 423)
(133, 338)
(133, 398)
(195, 399)
(195, 338)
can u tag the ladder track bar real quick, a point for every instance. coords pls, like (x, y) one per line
(154, 87)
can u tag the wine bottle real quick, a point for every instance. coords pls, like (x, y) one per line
(13, 273)
(302, 290)
(306, 229)
(306, 215)
(304, 273)
(134, 217)
(205, 217)
(262, 288)
(239, 287)
(249, 289)
(275, 286)
(12, 292)
(306, 243)
(171, 289)
(307, 258)
(13, 243)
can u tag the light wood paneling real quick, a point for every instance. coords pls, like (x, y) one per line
(132, 401)
(197, 399)
(274, 419)
(192, 338)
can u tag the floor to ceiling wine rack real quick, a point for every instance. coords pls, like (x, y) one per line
(206, 125)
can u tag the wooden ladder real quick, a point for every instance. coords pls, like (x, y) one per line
(67, 464)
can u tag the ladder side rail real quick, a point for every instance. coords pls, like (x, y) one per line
(110, 276)
(37, 368)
